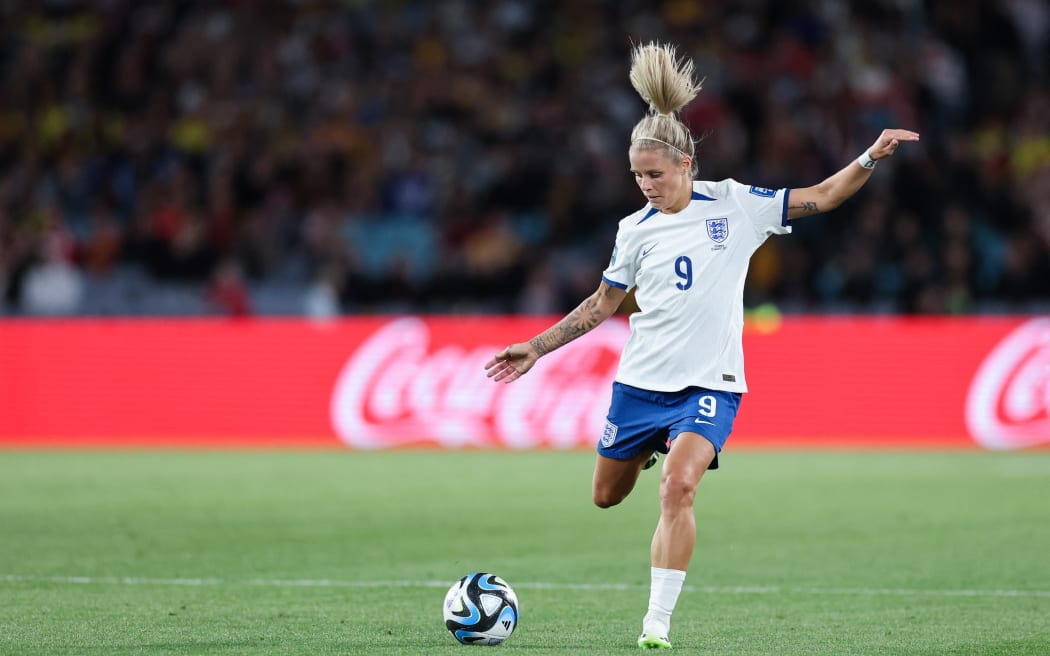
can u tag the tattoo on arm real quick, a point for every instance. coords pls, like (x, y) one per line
(808, 207)
(578, 322)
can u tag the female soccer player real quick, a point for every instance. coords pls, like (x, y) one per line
(681, 373)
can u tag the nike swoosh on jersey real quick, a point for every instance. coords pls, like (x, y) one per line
(645, 251)
(701, 421)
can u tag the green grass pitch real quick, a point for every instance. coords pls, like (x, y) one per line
(285, 552)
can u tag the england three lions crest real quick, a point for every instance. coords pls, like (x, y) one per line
(718, 229)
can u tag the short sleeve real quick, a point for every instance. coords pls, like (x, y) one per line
(766, 208)
(623, 265)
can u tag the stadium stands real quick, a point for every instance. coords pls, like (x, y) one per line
(280, 158)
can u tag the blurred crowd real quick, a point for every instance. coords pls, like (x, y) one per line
(334, 157)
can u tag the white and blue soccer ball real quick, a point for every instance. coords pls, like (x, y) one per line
(481, 609)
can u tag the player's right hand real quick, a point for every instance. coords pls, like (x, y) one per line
(511, 363)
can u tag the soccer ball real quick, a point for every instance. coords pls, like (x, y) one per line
(481, 609)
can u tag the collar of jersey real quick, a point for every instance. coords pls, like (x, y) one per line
(696, 196)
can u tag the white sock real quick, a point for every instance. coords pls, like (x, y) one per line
(664, 587)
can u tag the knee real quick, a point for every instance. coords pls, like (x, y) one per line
(677, 489)
(606, 498)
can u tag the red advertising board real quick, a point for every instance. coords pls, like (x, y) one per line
(380, 382)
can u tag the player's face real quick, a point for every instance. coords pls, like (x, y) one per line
(665, 181)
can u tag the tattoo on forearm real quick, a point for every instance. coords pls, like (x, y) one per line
(578, 322)
(809, 207)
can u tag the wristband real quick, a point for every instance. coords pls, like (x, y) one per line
(866, 160)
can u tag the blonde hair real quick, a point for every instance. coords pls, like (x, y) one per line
(667, 84)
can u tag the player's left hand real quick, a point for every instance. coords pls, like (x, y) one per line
(888, 142)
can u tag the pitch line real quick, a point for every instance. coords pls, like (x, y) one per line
(525, 585)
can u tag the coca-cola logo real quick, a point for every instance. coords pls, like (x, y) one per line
(1008, 405)
(397, 389)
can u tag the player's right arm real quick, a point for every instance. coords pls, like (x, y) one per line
(515, 361)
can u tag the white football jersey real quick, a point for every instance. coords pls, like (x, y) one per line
(689, 269)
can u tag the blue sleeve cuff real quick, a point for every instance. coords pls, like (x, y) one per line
(613, 283)
(784, 214)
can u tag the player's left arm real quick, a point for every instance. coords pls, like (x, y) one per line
(834, 191)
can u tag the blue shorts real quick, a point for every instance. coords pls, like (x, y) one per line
(640, 420)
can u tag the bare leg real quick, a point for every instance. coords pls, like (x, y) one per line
(675, 534)
(614, 479)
